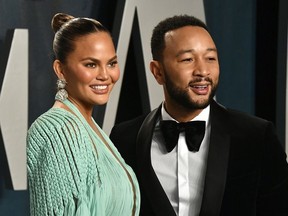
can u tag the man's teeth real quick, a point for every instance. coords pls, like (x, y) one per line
(200, 87)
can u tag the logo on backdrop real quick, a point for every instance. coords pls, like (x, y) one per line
(149, 13)
(14, 108)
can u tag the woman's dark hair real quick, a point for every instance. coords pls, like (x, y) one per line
(169, 24)
(67, 29)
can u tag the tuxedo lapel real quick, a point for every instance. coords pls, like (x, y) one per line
(151, 187)
(217, 162)
(216, 165)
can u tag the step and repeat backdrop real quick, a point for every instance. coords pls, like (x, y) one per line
(253, 62)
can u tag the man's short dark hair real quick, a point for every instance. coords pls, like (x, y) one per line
(169, 24)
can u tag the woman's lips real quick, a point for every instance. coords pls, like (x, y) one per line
(100, 89)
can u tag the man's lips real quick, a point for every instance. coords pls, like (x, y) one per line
(200, 89)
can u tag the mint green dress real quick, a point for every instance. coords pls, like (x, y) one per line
(72, 172)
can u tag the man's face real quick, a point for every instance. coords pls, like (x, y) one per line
(190, 68)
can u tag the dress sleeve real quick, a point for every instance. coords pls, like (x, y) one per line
(57, 166)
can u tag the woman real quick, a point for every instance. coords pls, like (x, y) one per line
(73, 168)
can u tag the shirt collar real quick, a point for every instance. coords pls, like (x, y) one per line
(202, 116)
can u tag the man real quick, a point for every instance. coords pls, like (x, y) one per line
(240, 167)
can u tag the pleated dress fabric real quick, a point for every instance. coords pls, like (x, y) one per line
(71, 171)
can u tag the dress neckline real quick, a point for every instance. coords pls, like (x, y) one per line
(92, 133)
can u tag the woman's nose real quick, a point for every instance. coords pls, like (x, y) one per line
(102, 73)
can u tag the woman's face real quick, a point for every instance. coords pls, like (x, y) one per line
(91, 70)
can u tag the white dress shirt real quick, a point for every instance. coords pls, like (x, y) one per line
(181, 172)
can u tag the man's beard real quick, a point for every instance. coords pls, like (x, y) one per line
(181, 96)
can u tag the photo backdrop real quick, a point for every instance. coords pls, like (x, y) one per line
(252, 50)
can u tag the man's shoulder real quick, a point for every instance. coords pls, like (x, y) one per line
(237, 121)
(237, 115)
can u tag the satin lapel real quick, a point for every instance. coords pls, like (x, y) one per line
(149, 183)
(217, 162)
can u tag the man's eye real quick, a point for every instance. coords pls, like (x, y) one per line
(187, 60)
(211, 58)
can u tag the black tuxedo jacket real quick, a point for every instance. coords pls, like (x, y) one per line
(247, 172)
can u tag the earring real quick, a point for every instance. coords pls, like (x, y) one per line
(61, 94)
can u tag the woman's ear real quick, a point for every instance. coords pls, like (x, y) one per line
(157, 71)
(58, 69)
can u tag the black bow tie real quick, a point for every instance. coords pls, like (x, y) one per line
(194, 133)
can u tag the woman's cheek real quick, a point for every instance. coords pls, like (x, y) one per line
(116, 76)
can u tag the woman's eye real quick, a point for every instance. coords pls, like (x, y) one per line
(90, 65)
(113, 63)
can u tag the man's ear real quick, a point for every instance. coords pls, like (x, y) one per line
(157, 71)
(58, 69)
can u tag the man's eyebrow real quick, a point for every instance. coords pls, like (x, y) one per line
(181, 52)
(212, 49)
